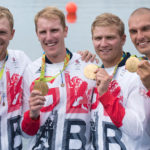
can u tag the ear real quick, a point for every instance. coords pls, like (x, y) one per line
(123, 39)
(66, 31)
(12, 34)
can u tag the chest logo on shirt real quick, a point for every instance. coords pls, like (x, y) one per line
(14, 91)
(78, 95)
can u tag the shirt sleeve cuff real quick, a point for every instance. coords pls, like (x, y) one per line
(148, 93)
(30, 126)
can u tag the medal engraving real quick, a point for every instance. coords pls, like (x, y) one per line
(42, 87)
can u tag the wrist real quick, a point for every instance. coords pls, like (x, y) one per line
(34, 116)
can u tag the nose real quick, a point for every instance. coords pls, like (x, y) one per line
(140, 35)
(103, 42)
(48, 36)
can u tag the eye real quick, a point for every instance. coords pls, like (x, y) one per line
(133, 31)
(146, 28)
(3, 32)
(54, 30)
(42, 32)
(110, 37)
(98, 38)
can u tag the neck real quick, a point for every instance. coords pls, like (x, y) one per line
(57, 58)
(116, 61)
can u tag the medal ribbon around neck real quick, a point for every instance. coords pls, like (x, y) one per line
(116, 67)
(2, 70)
(47, 79)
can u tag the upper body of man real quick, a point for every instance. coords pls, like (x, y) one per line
(139, 29)
(59, 120)
(12, 67)
(118, 113)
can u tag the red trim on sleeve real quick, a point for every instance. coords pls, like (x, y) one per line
(30, 126)
(113, 107)
(148, 93)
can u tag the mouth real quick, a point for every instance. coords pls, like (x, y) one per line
(105, 51)
(50, 44)
(143, 44)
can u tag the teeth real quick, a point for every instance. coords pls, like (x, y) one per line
(105, 50)
(52, 44)
(142, 43)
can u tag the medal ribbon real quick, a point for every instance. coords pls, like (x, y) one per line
(116, 67)
(47, 79)
(2, 70)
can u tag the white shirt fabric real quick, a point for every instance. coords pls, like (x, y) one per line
(65, 117)
(11, 104)
(132, 134)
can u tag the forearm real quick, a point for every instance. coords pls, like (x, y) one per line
(124, 118)
(113, 108)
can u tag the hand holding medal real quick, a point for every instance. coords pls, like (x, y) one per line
(89, 71)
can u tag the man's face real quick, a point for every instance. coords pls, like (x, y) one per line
(6, 34)
(139, 28)
(108, 44)
(51, 35)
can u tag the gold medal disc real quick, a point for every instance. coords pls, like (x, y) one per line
(89, 71)
(42, 87)
(132, 64)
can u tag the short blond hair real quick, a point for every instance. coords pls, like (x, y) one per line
(50, 12)
(108, 19)
(5, 13)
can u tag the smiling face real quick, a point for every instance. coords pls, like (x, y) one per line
(6, 34)
(108, 44)
(139, 29)
(51, 35)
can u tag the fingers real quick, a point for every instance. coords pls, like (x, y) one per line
(35, 93)
(36, 102)
(88, 56)
(36, 99)
(79, 52)
(144, 64)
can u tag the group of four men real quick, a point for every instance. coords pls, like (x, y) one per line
(111, 112)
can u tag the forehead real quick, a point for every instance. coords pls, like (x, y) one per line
(105, 30)
(139, 20)
(4, 22)
(48, 22)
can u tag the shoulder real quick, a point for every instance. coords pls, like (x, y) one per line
(77, 58)
(36, 64)
(128, 78)
(19, 55)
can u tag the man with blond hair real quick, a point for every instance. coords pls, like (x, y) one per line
(118, 113)
(60, 119)
(12, 67)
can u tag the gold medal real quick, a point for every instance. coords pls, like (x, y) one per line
(132, 64)
(62, 85)
(42, 87)
(89, 71)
